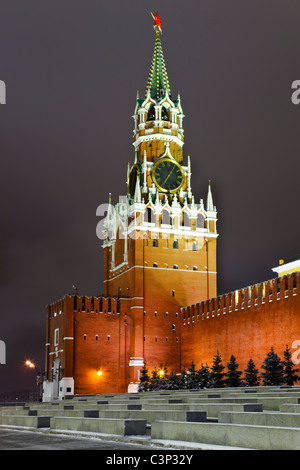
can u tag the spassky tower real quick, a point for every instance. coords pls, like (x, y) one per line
(159, 243)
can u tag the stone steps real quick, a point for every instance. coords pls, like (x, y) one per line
(230, 435)
(254, 418)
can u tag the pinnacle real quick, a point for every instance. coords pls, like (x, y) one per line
(158, 81)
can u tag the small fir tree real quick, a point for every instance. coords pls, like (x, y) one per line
(192, 377)
(217, 374)
(273, 367)
(251, 374)
(163, 379)
(203, 377)
(183, 379)
(154, 380)
(144, 379)
(233, 375)
(289, 372)
(172, 382)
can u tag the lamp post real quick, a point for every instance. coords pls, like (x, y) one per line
(39, 377)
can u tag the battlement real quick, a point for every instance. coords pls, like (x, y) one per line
(86, 304)
(265, 292)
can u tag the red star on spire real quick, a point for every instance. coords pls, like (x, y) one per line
(157, 20)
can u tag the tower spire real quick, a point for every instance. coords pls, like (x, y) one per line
(158, 81)
(209, 201)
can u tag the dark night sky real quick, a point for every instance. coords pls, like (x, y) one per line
(72, 69)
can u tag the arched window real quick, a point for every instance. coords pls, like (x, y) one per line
(186, 219)
(194, 246)
(151, 113)
(200, 221)
(149, 215)
(165, 217)
(164, 114)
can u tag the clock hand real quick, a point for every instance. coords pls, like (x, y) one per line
(168, 176)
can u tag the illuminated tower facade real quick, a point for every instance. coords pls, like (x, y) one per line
(159, 243)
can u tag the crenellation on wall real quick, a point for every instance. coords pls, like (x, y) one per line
(242, 299)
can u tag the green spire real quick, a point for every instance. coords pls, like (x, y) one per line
(158, 81)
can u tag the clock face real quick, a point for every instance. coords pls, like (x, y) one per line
(133, 175)
(167, 175)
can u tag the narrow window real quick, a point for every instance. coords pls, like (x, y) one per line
(92, 304)
(108, 337)
(109, 305)
(194, 246)
(154, 242)
(155, 265)
(175, 244)
(84, 337)
(56, 337)
(166, 217)
(173, 327)
(101, 305)
(83, 304)
(173, 293)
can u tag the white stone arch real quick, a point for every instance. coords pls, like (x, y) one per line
(167, 102)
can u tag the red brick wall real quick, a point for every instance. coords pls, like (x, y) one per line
(246, 328)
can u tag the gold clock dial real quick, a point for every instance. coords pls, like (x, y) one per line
(167, 175)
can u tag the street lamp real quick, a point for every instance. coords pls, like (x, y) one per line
(39, 378)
